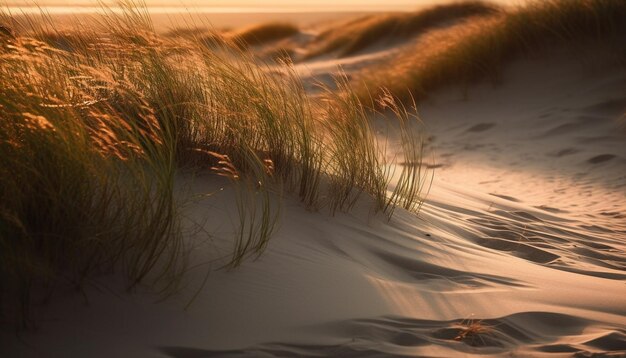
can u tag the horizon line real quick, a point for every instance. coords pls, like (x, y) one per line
(83, 9)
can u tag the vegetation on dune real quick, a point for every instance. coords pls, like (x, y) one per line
(261, 34)
(364, 32)
(474, 332)
(264, 33)
(187, 32)
(481, 48)
(92, 135)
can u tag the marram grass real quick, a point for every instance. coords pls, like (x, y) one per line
(481, 48)
(97, 123)
(357, 35)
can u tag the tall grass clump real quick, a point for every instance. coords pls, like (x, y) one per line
(84, 187)
(362, 33)
(94, 134)
(481, 50)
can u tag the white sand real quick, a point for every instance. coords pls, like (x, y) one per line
(525, 229)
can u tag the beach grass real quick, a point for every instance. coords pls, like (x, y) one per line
(98, 124)
(481, 49)
(357, 35)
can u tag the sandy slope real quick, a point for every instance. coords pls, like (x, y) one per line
(524, 229)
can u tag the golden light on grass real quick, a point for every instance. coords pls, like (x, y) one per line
(357, 35)
(114, 112)
(473, 331)
(478, 49)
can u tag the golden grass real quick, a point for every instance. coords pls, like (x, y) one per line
(6, 31)
(480, 49)
(187, 32)
(473, 332)
(359, 34)
(93, 133)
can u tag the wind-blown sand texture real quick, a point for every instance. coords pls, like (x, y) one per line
(519, 249)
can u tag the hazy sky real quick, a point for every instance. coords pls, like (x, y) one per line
(354, 4)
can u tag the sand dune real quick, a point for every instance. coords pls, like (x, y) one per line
(522, 234)
(398, 337)
(519, 250)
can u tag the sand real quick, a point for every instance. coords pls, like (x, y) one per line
(523, 232)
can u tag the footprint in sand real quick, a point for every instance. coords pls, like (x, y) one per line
(506, 197)
(563, 152)
(435, 166)
(601, 158)
(563, 129)
(481, 127)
